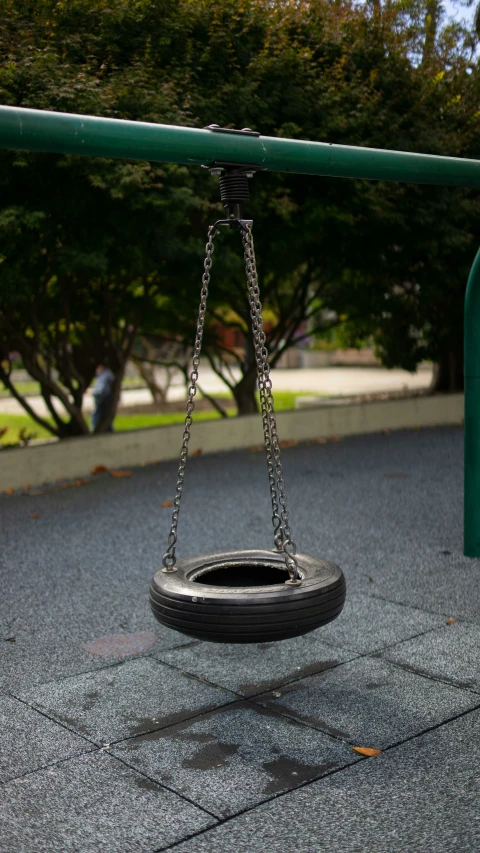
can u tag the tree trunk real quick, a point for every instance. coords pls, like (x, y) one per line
(448, 372)
(432, 16)
(377, 10)
(72, 429)
(147, 372)
(244, 393)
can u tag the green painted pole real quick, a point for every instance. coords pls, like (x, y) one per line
(472, 413)
(38, 130)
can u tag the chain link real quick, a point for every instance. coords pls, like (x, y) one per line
(280, 519)
(169, 558)
(281, 526)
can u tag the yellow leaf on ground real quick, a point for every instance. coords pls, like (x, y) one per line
(9, 491)
(121, 473)
(451, 620)
(366, 750)
(167, 503)
(197, 452)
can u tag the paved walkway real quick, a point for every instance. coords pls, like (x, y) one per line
(333, 381)
(121, 736)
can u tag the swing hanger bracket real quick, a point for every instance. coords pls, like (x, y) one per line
(234, 194)
(233, 180)
(233, 223)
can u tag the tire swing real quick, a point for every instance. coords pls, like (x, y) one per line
(244, 596)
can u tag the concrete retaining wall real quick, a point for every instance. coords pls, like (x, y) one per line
(76, 457)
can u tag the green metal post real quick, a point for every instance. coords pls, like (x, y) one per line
(472, 412)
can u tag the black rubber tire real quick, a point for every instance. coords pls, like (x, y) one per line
(247, 614)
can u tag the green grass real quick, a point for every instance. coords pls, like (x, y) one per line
(32, 389)
(124, 422)
(284, 400)
(17, 422)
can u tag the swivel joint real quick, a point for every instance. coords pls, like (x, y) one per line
(233, 178)
(234, 192)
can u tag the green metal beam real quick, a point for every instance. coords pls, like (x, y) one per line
(38, 130)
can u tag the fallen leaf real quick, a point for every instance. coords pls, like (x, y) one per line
(289, 443)
(336, 438)
(99, 469)
(34, 515)
(28, 486)
(167, 503)
(258, 448)
(317, 441)
(451, 620)
(121, 473)
(9, 491)
(366, 750)
(197, 452)
(59, 488)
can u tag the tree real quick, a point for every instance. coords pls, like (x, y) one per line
(84, 243)
(393, 257)
(407, 289)
(95, 251)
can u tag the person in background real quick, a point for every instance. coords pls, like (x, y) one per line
(102, 394)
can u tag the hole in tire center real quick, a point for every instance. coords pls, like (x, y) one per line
(243, 575)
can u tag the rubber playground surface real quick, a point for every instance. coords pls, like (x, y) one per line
(122, 736)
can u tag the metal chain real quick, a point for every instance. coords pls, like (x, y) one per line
(281, 525)
(169, 558)
(282, 533)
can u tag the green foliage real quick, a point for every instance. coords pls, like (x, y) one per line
(94, 250)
